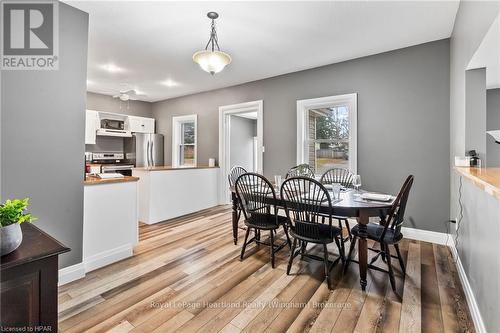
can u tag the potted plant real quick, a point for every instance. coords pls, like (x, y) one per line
(12, 214)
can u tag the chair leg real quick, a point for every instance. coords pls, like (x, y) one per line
(292, 252)
(244, 243)
(327, 270)
(341, 236)
(303, 246)
(383, 252)
(285, 228)
(400, 259)
(272, 248)
(351, 250)
(348, 229)
(340, 245)
(389, 266)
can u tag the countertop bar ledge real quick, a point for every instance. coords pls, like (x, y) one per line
(487, 179)
(91, 180)
(169, 167)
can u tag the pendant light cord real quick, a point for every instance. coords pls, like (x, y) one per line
(213, 38)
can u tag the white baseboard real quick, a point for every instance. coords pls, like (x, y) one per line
(425, 235)
(469, 294)
(108, 257)
(71, 273)
(419, 234)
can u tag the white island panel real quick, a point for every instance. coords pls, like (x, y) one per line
(170, 193)
(110, 226)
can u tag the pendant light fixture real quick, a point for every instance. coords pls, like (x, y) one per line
(212, 59)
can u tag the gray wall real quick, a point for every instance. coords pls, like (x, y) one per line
(399, 94)
(480, 213)
(43, 109)
(475, 111)
(492, 123)
(243, 130)
(100, 102)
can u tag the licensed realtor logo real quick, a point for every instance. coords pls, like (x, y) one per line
(30, 35)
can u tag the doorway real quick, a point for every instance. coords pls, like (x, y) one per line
(240, 141)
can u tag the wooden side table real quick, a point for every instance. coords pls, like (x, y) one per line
(28, 283)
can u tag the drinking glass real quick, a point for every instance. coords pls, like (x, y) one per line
(356, 182)
(277, 181)
(336, 191)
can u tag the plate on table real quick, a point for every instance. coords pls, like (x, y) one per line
(374, 197)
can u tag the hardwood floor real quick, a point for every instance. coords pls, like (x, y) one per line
(186, 276)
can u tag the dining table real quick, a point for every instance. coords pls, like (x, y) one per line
(349, 204)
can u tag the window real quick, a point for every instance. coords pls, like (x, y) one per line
(184, 140)
(327, 133)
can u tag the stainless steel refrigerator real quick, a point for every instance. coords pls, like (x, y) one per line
(144, 150)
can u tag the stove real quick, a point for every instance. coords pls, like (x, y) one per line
(112, 162)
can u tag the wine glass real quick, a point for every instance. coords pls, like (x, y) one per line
(356, 182)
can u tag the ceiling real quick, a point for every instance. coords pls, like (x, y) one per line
(487, 56)
(148, 46)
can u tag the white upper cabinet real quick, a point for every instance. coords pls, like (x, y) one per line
(91, 126)
(141, 124)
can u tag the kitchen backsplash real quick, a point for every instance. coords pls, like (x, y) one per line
(106, 144)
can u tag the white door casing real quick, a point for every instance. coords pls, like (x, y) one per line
(224, 141)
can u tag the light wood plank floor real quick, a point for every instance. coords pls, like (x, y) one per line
(186, 276)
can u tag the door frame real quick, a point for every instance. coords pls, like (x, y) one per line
(225, 141)
(303, 107)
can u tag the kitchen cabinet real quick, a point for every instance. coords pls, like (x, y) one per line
(91, 126)
(141, 124)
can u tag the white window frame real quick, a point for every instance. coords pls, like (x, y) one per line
(176, 138)
(303, 107)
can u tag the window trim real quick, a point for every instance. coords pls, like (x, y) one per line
(303, 107)
(177, 121)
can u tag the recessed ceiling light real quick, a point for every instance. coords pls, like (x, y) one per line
(169, 83)
(112, 68)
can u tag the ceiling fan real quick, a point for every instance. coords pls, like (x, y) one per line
(126, 95)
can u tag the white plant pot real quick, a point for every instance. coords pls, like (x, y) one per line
(11, 237)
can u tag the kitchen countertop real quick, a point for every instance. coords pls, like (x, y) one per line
(93, 180)
(169, 167)
(488, 179)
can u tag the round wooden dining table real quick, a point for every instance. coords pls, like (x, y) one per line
(350, 204)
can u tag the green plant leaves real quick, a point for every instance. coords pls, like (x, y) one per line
(14, 211)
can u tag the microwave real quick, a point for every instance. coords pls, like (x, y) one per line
(112, 124)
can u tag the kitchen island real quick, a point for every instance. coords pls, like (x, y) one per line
(110, 224)
(166, 192)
